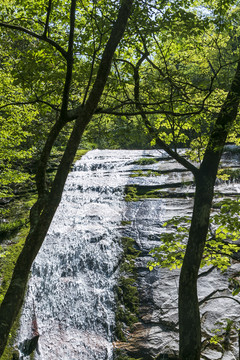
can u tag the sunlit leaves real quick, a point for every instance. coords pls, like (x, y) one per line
(220, 244)
(187, 74)
(170, 254)
(16, 135)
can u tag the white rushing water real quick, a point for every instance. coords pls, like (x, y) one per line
(71, 290)
(71, 297)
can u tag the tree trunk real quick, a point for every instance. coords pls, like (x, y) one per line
(15, 294)
(189, 317)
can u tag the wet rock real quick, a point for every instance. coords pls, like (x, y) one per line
(157, 336)
(15, 355)
(74, 276)
(29, 345)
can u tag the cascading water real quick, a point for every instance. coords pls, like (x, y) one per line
(71, 290)
(69, 312)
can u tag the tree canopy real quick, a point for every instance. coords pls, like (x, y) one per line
(158, 73)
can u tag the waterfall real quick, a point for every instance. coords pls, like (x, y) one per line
(70, 304)
(71, 291)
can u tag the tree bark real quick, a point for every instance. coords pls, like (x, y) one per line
(189, 317)
(15, 294)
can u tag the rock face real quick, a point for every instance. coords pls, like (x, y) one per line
(155, 336)
(29, 345)
(76, 273)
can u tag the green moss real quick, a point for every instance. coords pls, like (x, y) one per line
(121, 355)
(155, 194)
(138, 193)
(10, 350)
(9, 229)
(15, 229)
(127, 292)
(6, 269)
(131, 193)
(128, 267)
(9, 253)
(124, 223)
(148, 173)
(128, 247)
(145, 161)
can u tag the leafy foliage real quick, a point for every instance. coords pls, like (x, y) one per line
(223, 332)
(16, 145)
(185, 75)
(220, 244)
(175, 63)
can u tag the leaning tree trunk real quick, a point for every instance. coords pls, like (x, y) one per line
(15, 294)
(189, 317)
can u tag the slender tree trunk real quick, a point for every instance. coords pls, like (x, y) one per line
(189, 317)
(15, 294)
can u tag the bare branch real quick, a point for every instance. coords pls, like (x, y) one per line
(211, 67)
(226, 297)
(147, 112)
(54, 107)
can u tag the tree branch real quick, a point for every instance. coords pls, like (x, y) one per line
(46, 29)
(148, 125)
(90, 77)
(69, 58)
(39, 37)
(30, 102)
(111, 111)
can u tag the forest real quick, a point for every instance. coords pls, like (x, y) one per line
(78, 75)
